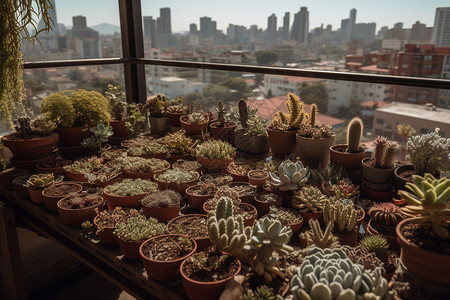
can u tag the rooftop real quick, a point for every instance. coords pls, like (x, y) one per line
(417, 111)
(373, 103)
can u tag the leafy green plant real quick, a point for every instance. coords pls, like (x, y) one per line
(215, 149)
(139, 229)
(100, 134)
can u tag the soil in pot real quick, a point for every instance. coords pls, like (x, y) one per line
(402, 175)
(264, 200)
(340, 157)
(257, 178)
(163, 255)
(74, 210)
(245, 191)
(197, 195)
(388, 232)
(194, 226)
(56, 192)
(106, 221)
(239, 170)
(223, 133)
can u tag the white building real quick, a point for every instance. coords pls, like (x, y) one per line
(441, 30)
(282, 85)
(173, 87)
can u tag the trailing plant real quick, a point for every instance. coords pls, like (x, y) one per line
(141, 165)
(177, 176)
(166, 198)
(294, 118)
(131, 187)
(343, 216)
(354, 133)
(316, 237)
(309, 199)
(215, 149)
(387, 214)
(157, 106)
(100, 134)
(136, 113)
(178, 142)
(41, 180)
(116, 103)
(138, 229)
(197, 117)
(384, 153)
(291, 176)
(429, 202)
(429, 153)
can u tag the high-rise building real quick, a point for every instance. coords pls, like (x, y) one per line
(286, 24)
(150, 30)
(398, 25)
(300, 28)
(85, 41)
(193, 28)
(207, 27)
(351, 25)
(441, 29)
(79, 22)
(420, 33)
(271, 27)
(166, 23)
(364, 31)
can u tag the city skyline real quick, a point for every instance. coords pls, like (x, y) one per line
(185, 13)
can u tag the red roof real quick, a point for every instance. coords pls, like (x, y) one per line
(372, 103)
(302, 79)
(374, 68)
(267, 108)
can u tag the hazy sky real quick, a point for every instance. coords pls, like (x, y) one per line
(241, 12)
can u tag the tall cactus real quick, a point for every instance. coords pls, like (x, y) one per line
(354, 133)
(313, 115)
(243, 112)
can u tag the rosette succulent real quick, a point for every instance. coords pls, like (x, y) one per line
(291, 176)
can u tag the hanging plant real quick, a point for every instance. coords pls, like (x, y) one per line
(16, 18)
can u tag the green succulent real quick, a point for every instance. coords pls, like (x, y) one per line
(41, 180)
(316, 237)
(101, 134)
(177, 176)
(309, 199)
(262, 292)
(131, 187)
(291, 176)
(215, 149)
(157, 106)
(375, 243)
(139, 229)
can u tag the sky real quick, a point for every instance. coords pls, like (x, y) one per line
(250, 12)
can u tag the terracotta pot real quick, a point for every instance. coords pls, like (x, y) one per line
(30, 164)
(163, 270)
(7, 177)
(76, 176)
(193, 129)
(196, 201)
(36, 195)
(327, 190)
(30, 149)
(174, 157)
(205, 290)
(425, 264)
(202, 243)
(314, 152)
(245, 199)
(130, 249)
(250, 221)
(312, 215)
(237, 177)
(259, 182)
(391, 239)
(339, 157)
(214, 164)
(162, 214)
(119, 128)
(174, 119)
(75, 217)
(73, 152)
(105, 235)
(400, 182)
(123, 201)
(222, 133)
(150, 175)
(251, 144)
(378, 197)
(296, 227)
(348, 238)
(178, 187)
(262, 207)
(282, 143)
(72, 136)
(52, 202)
(376, 175)
(55, 170)
(381, 187)
(159, 126)
(19, 188)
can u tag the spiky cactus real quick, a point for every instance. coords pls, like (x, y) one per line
(317, 237)
(221, 113)
(225, 230)
(313, 115)
(354, 133)
(294, 118)
(384, 153)
(378, 153)
(243, 113)
(375, 244)
(309, 199)
(386, 214)
(343, 216)
(24, 126)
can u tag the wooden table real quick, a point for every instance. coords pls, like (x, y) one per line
(82, 244)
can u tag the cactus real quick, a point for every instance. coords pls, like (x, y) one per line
(24, 126)
(354, 133)
(41, 180)
(343, 216)
(243, 113)
(375, 244)
(430, 202)
(220, 113)
(309, 199)
(215, 149)
(386, 214)
(317, 237)
(291, 176)
(384, 153)
(225, 230)
(313, 115)
(330, 274)
(294, 118)
(378, 153)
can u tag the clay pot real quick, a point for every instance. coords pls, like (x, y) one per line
(248, 198)
(196, 201)
(162, 214)
(205, 290)
(174, 119)
(55, 170)
(312, 215)
(202, 243)
(314, 152)
(19, 188)
(149, 175)
(425, 264)
(30, 149)
(193, 129)
(296, 226)
(361, 215)
(348, 238)
(72, 136)
(76, 176)
(106, 235)
(174, 157)
(381, 187)
(159, 126)
(72, 152)
(257, 181)
(52, 202)
(214, 164)
(376, 175)
(391, 239)
(222, 133)
(251, 144)
(250, 221)
(36, 195)
(7, 177)
(163, 270)
(123, 201)
(75, 217)
(119, 128)
(31, 163)
(177, 187)
(400, 182)
(262, 207)
(378, 197)
(282, 143)
(339, 157)
(130, 249)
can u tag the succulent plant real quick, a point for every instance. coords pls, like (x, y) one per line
(343, 216)
(157, 106)
(139, 229)
(187, 165)
(101, 133)
(294, 118)
(268, 236)
(103, 174)
(166, 198)
(375, 243)
(178, 142)
(80, 201)
(135, 119)
(151, 149)
(205, 189)
(215, 149)
(329, 274)
(384, 153)
(177, 176)
(109, 218)
(360, 255)
(131, 187)
(197, 117)
(255, 125)
(291, 176)
(284, 215)
(430, 202)
(387, 214)
(220, 109)
(316, 237)
(429, 153)
(115, 97)
(41, 180)
(405, 130)
(354, 133)
(332, 173)
(262, 292)
(226, 231)
(141, 165)
(85, 165)
(316, 132)
(41, 126)
(309, 199)
(345, 189)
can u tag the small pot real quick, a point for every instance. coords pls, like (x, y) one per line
(178, 187)
(251, 144)
(339, 157)
(391, 239)
(196, 201)
(36, 195)
(130, 249)
(31, 163)
(248, 198)
(237, 177)
(282, 143)
(328, 190)
(250, 221)
(377, 187)
(159, 126)
(193, 129)
(162, 214)
(257, 181)
(119, 128)
(52, 202)
(361, 214)
(376, 175)
(399, 181)
(378, 197)
(174, 118)
(222, 133)
(123, 201)
(55, 170)
(7, 177)
(262, 207)
(214, 164)
(163, 270)
(314, 152)
(75, 217)
(72, 136)
(348, 238)
(76, 176)
(19, 188)
(106, 235)
(30, 149)
(202, 243)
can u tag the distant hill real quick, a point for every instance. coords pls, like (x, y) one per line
(106, 29)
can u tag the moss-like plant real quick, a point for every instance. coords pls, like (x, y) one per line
(354, 133)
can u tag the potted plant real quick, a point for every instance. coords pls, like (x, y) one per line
(179, 145)
(378, 245)
(176, 179)
(20, 188)
(316, 237)
(81, 167)
(344, 217)
(215, 154)
(162, 255)
(258, 178)
(104, 176)
(36, 183)
(223, 128)
(33, 140)
(56, 192)
(195, 123)
(118, 110)
(176, 110)
(265, 200)
(424, 239)
(157, 108)
(128, 192)
(192, 226)
(287, 217)
(75, 209)
(134, 231)
(55, 165)
(136, 118)
(350, 155)
(217, 178)
(100, 134)
(139, 167)
(197, 195)
(310, 202)
(345, 189)
(112, 154)
(314, 141)
(187, 165)
(162, 205)
(153, 150)
(239, 170)
(252, 137)
(106, 221)
(246, 192)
